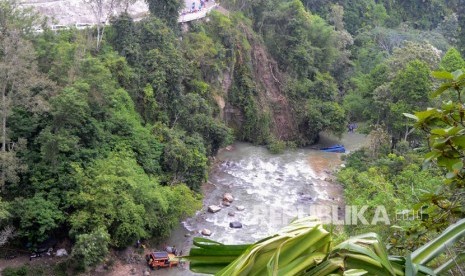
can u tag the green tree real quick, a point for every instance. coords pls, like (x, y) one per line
(125, 38)
(196, 116)
(364, 14)
(167, 10)
(102, 10)
(452, 61)
(302, 45)
(185, 158)
(321, 116)
(7, 231)
(344, 40)
(445, 127)
(116, 194)
(409, 92)
(38, 217)
(20, 82)
(163, 67)
(91, 249)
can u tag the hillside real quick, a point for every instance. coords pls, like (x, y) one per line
(112, 130)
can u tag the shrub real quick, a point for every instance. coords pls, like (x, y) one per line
(276, 146)
(19, 271)
(91, 249)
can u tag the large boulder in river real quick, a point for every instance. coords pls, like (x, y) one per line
(227, 197)
(206, 232)
(235, 224)
(214, 208)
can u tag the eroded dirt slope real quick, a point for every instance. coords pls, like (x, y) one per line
(271, 83)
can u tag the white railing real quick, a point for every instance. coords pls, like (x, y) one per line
(191, 16)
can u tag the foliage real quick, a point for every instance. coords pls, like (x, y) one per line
(116, 194)
(445, 129)
(304, 44)
(21, 271)
(167, 10)
(18, 76)
(403, 184)
(91, 248)
(276, 146)
(397, 85)
(452, 61)
(185, 158)
(256, 125)
(302, 244)
(38, 217)
(319, 116)
(118, 140)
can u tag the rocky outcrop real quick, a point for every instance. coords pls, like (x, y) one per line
(72, 12)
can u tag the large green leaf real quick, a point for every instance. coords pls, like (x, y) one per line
(302, 249)
(442, 75)
(437, 246)
(441, 89)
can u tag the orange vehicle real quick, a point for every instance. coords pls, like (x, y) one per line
(161, 259)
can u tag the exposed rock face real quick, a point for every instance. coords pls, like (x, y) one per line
(214, 208)
(71, 12)
(271, 80)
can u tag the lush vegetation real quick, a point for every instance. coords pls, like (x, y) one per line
(111, 144)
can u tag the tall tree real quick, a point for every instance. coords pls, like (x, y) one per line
(166, 10)
(8, 231)
(102, 10)
(18, 77)
(452, 61)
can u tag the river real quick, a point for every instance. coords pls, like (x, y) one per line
(272, 189)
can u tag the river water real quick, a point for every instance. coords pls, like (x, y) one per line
(271, 189)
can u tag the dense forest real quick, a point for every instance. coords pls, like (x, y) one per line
(107, 142)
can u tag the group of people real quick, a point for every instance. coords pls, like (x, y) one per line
(173, 250)
(195, 8)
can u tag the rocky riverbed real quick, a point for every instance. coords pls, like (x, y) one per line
(268, 190)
